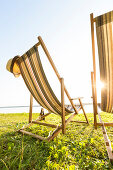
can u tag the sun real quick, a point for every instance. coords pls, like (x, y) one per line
(101, 85)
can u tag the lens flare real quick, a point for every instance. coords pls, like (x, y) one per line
(100, 85)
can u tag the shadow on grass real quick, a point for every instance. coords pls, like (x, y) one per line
(80, 148)
(20, 151)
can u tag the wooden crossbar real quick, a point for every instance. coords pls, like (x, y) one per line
(44, 124)
(25, 127)
(105, 124)
(77, 98)
(41, 117)
(33, 135)
(78, 121)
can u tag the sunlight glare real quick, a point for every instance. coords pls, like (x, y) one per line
(100, 85)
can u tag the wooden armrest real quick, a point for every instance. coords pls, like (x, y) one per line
(77, 98)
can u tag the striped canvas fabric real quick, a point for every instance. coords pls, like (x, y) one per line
(104, 19)
(105, 46)
(36, 81)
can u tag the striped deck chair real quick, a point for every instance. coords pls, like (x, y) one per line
(36, 81)
(103, 25)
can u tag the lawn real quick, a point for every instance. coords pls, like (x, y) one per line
(82, 147)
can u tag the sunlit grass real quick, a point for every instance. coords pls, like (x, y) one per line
(82, 147)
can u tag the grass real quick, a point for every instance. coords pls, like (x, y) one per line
(82, 147)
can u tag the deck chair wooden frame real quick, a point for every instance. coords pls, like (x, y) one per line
(62, 127)
(94, 95)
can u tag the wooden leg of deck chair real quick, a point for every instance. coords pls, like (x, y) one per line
(94, 69)
(63, 108)
(93, 94)
(42, 114)
(30, 108)
(83, 110)
(58, 130)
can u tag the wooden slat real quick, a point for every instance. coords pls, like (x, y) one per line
(78, 121)
(83, 111)
(110, 154)
(94, 20)
(79, 109)
(63, 108)
(94, 63)
(37, 44)
(107, 141)
(45, 124)
(24, 127)
(33, 135)
(105, 124)
(30, 108)
(77, 98)
(92, 82)
(70, 118)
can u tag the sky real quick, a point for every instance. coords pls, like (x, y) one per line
(64, 26)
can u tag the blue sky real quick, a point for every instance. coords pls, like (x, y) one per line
(65, 28)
